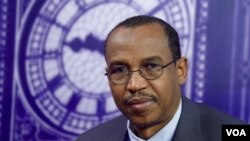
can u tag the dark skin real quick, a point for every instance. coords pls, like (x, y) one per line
(154, 102)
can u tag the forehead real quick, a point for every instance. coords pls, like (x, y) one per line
(137, 43)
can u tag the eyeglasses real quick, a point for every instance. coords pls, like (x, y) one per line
(119, 74)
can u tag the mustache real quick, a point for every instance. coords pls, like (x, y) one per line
(139, 96)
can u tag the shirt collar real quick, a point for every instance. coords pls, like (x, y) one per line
(165, 134)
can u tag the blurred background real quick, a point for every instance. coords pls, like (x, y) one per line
(52, 83)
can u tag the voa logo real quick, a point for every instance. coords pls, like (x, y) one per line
(236, 132)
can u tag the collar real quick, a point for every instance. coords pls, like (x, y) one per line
(165, 134)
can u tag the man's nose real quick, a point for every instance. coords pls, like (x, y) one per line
(136, 82)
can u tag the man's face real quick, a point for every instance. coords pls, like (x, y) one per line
(145, 102)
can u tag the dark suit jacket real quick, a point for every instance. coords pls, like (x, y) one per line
(197, 123)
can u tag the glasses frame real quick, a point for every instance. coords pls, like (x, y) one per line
(140, 72)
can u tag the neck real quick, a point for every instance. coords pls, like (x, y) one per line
(147, 131)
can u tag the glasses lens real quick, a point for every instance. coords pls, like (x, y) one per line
(118, 74)
(151, 70)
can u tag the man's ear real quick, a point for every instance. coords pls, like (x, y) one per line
(182, 66)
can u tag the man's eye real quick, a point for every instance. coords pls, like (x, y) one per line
(118, 69)
(151, 66)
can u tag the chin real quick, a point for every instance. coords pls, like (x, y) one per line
(142, 121)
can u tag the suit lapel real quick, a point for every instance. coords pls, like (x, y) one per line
(119, 134)
(188, 128)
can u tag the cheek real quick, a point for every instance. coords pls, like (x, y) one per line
(117, 93)
(162, 86)
(165, 90)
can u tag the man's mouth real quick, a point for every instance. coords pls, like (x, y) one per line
(140, 104)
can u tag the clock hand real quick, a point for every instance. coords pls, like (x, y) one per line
(91, 43)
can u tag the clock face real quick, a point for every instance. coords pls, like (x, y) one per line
(61, 61)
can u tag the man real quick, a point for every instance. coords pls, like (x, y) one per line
(145, 70)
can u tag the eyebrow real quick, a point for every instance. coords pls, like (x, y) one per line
(117, 63)
(153, 58)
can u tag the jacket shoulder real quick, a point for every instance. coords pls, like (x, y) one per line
(209, 114)
(211, 121)
(201, 122)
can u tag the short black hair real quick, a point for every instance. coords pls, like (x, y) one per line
(140, 20)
